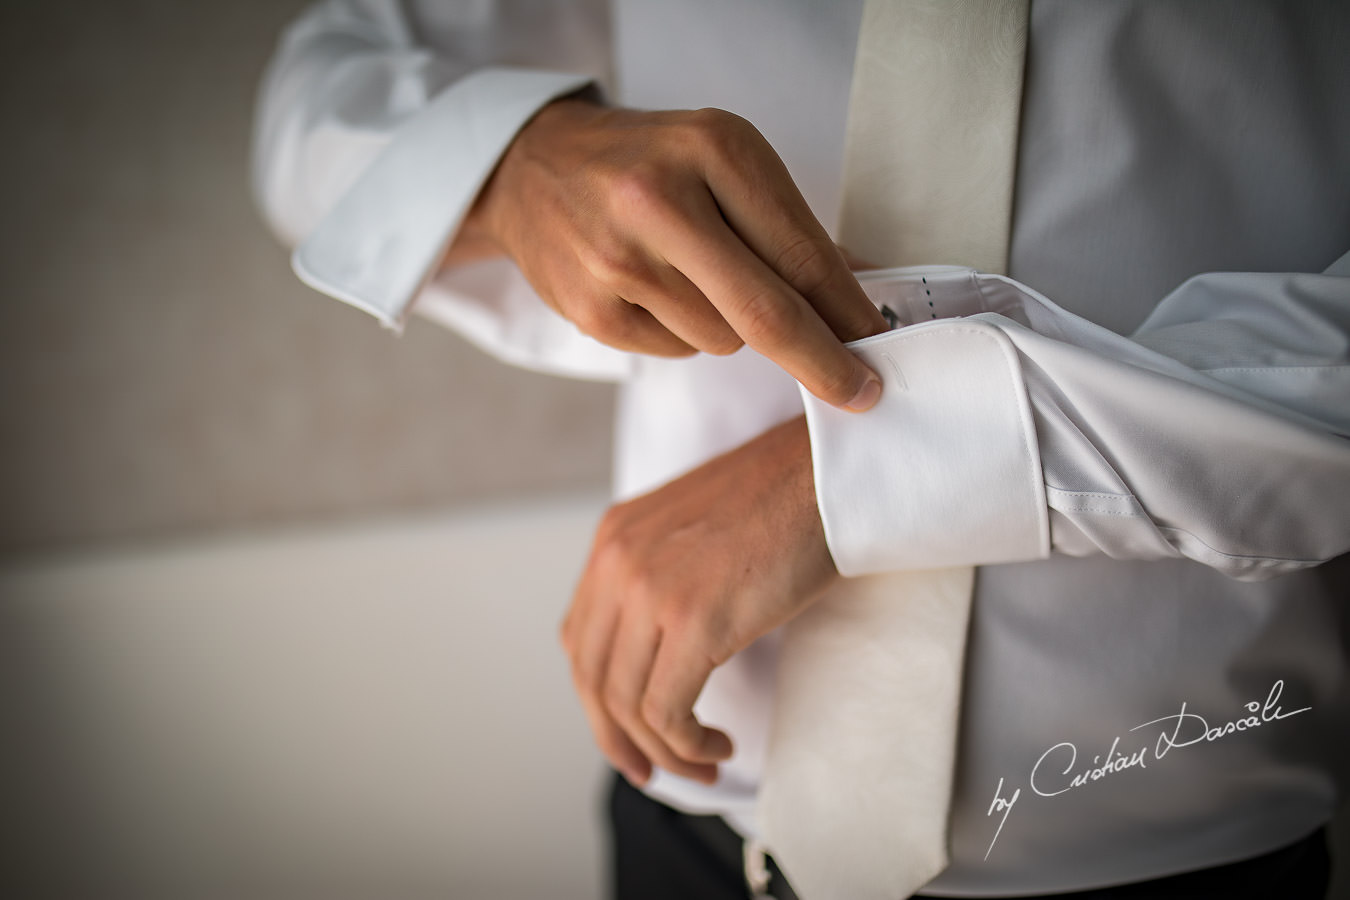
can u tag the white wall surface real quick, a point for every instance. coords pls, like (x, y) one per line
(376, 711)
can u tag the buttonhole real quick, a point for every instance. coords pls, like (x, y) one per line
(899, 381)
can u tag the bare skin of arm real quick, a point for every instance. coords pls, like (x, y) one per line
(670, 233)
(680, 579)
(673, 232)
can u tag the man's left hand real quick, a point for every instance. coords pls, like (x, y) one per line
(679, 580)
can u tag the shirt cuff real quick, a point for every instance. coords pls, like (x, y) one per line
(383, 239)
(945, 469)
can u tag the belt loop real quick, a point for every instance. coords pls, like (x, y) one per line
(756, 870)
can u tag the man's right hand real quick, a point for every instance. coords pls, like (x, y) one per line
(672, 232)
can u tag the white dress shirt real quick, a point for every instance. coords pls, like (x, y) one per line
(1131, 465)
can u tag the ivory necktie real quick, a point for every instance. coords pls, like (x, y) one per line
(857, 784)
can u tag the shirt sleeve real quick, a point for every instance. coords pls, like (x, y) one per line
(1010, 428)
(375, 130)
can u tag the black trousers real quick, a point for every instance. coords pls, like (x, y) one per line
(658, 853)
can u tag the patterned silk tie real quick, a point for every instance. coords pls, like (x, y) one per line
(857, 786)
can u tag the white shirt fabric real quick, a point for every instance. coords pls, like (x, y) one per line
(1152, 471)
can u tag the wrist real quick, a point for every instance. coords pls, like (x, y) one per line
(490, 224)
(485, 230)
(799, 485)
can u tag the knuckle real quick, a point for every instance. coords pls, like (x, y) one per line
(639, 192)
(720, 645)
(714, 117)
(804, 263)
(606, 319)
(621, 324)
(616, 702)
(713, 637)
(727, 140)
(716, 129)
(591, 318)
(612, 554)
(642, 591)
(723, 343)
(676, 612)
(615, 265)
(716, 334)
(681, 743)
(657, 714)
(764, 320)
(681, 617)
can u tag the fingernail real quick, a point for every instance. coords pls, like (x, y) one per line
(633, 777)
(867, 396)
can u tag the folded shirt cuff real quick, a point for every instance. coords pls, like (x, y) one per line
(384, 238)
(945, 469)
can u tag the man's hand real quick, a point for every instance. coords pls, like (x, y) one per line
(680, 579)
(671, 232)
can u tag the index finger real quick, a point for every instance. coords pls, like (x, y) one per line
(763, 206)
(678, 675)
(767, 313)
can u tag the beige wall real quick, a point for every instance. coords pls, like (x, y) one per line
(174, 716)
(265, 626)
(162, 371)
(376, 711)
